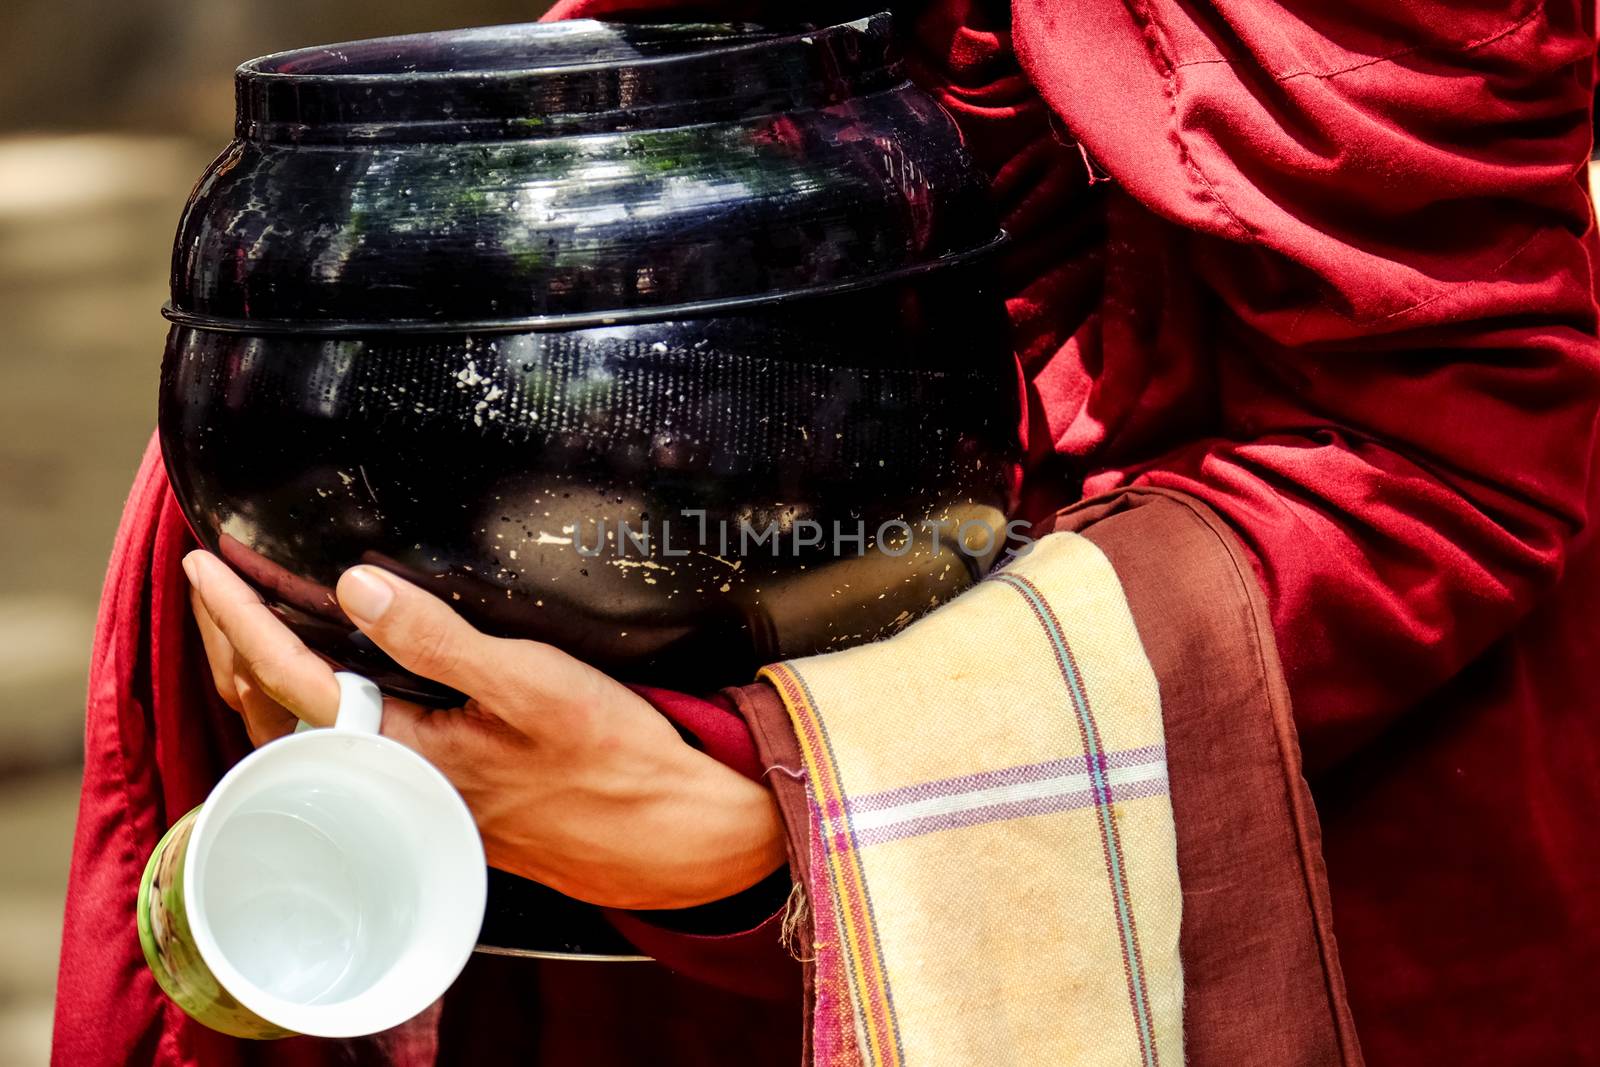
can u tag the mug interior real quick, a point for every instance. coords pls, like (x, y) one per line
(335, 883)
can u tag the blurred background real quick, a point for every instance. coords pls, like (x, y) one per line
(108, 114)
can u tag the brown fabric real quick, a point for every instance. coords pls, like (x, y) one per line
(1261, 969)
(779, 752)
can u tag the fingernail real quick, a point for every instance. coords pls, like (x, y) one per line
(190, 570)
(364, 595)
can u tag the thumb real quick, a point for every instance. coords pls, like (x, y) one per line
(421, 632)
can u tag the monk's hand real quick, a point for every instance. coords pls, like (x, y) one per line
(575, 780)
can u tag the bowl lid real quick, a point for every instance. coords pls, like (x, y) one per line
(557, 174)
(551, 79)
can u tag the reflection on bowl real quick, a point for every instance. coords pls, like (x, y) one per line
(672, 346)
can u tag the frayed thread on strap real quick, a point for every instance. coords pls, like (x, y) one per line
(796, 923)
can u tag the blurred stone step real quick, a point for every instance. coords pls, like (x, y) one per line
(44, 654)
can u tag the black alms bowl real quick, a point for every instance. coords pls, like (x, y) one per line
(660, 343)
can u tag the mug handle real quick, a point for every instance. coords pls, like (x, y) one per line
(360, 705)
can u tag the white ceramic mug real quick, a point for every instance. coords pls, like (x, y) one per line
(332, 884)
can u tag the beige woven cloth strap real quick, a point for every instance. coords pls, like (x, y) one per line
(994, 872)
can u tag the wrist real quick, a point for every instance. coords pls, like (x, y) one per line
(732, 832)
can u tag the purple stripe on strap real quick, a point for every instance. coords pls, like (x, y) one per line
(1018, 809)
(1028, 772)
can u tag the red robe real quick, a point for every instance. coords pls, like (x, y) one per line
(1340, 288)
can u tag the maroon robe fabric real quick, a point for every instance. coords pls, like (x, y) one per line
(1341, 289)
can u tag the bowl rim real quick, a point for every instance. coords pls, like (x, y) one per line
(252, 69)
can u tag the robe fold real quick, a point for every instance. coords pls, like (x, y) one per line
(1322, 355)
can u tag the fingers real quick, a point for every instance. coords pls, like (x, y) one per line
(224, 606)
(264, 718)
(425, 636)
(219, 654)
(272, 661)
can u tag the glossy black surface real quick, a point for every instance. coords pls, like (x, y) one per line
(548, 319)
(506, 472)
